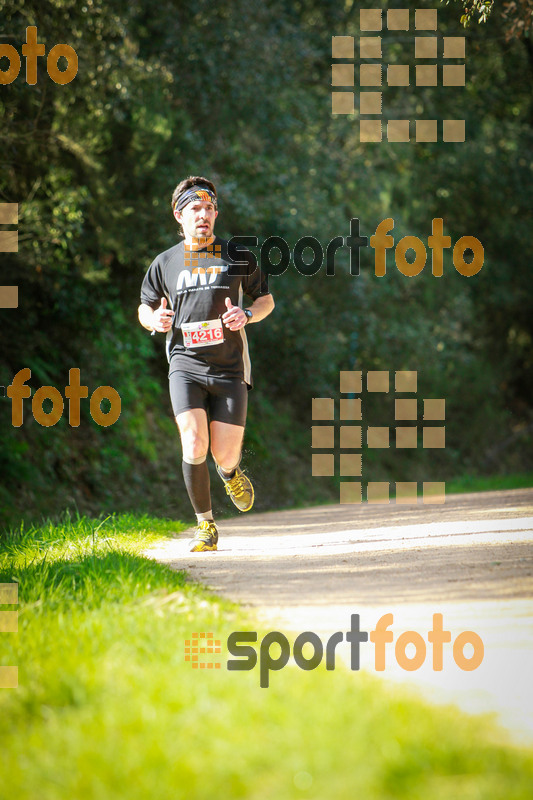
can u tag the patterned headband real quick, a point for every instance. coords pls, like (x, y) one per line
(195, 193)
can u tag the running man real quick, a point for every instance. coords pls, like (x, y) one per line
(193, 293)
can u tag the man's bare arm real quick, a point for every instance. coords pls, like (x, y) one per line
(261, 308)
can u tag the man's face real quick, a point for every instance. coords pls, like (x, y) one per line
(197, 219)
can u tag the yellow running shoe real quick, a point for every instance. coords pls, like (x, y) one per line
(205, 538)
(239, 488)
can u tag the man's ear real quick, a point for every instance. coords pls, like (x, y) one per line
(177, 216)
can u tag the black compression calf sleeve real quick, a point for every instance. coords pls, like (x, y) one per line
(197, 483)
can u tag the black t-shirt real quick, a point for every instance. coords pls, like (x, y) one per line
(196, 284)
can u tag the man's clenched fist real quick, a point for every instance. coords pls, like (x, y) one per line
(162, 317)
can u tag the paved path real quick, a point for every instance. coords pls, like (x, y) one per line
(470, 559)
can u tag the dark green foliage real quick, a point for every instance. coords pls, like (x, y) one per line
(240, 91)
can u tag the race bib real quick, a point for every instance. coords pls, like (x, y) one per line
(202, 334)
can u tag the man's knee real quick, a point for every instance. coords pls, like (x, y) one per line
(194, 445)
(226, 456)
(226, 444)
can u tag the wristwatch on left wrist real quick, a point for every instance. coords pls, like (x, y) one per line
(249, 315)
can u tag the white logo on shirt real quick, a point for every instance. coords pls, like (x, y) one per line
(203, 275)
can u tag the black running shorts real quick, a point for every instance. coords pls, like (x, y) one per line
(224, 399)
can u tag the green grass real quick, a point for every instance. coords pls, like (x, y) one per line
(108, 709)
(493, 483)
